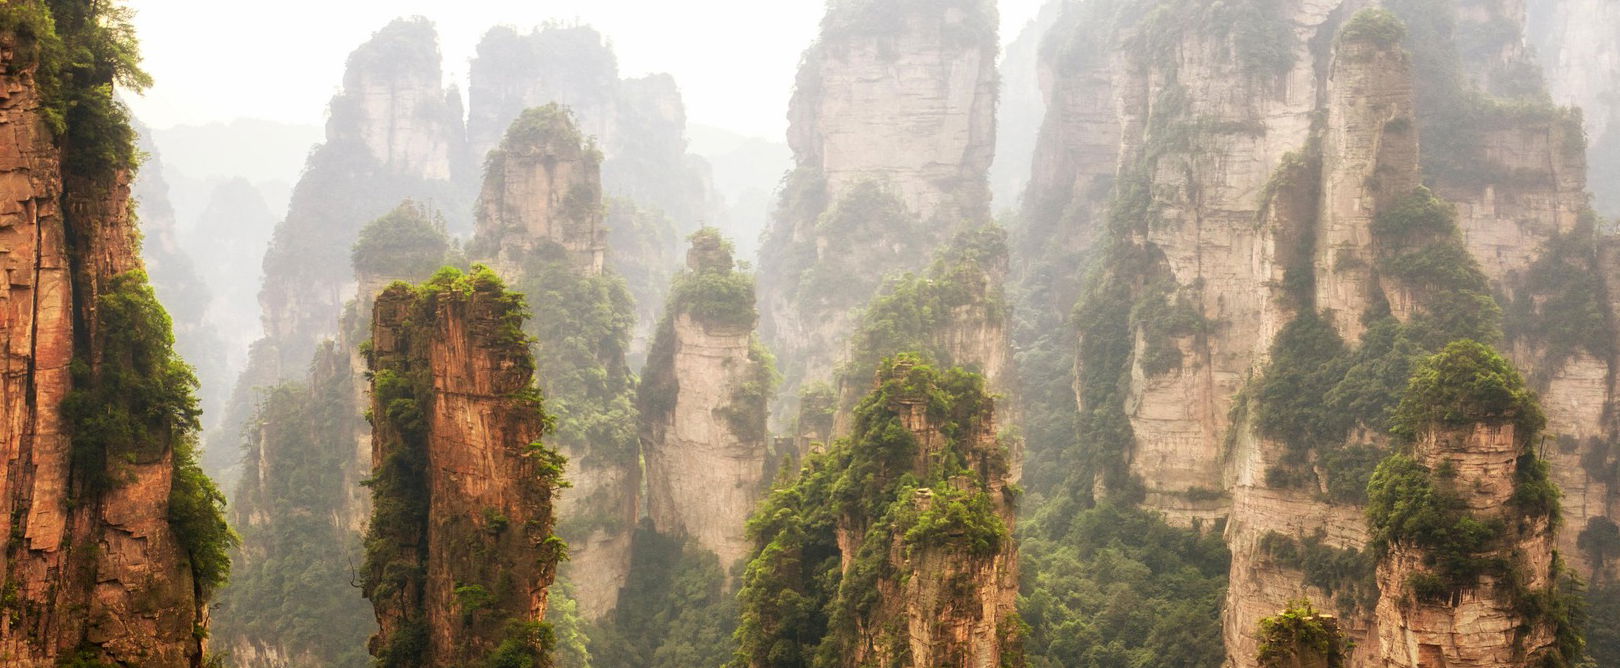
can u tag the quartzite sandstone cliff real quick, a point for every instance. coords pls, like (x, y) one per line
(460, 550)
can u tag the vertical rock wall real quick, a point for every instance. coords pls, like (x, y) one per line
(461, 551)
(96, 569)
(703, 406)
(1244, 174)
(892, 126)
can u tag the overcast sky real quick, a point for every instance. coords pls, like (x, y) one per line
(216, 60)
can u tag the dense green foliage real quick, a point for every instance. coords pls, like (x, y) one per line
(799, 608)
(1561, 304)
(1114, 585)
(79, 50)
(917, 312)
(1300, 635)
(293, 585)
(1418, 508)
(1374, 25)
(1603, 624)
(1466, 384)
(409, 241)
(1317, 390)
(674, 612)
(580, 332)
(549, 130)
(134, 404)
(713, 290)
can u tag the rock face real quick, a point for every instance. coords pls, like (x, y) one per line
(538, 222)
(1234, 196)
(1481, 625)
(658, 191)
(901, 532)
(892, 126)
(460, 551)
(543, 186)
(1581, 64)
(956, 604)
(703, 406)
(104, 565)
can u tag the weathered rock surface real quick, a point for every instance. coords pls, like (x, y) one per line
(706, 451)
(1192, 144)
(476, 541)
(93, 572)
(543, 185)
(892, 126)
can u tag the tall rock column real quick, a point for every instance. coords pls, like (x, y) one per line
(703, 403)
(539, 222)
(542, 186)
(460, 551)
(117, 537)
(901, 532)
(892, 126)
(1464, 525)
(1369, 158)
(301, 502)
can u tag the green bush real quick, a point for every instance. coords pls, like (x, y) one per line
(1467, 383)
(799, 605)
(135, 404)
(1299, 635)
(409, 241)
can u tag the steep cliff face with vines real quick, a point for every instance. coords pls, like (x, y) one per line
(118, 539)
(1280, 208)
(893, 547)
(460, 551)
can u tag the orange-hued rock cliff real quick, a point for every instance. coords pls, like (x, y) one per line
(95, 570)
(460, 551)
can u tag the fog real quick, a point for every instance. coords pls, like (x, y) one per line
(290, 54)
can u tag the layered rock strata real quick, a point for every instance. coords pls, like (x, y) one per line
(117, 537)
(892, 126)
(703, 406)
(460, 550)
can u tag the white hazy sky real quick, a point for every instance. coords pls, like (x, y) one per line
(216, 60)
